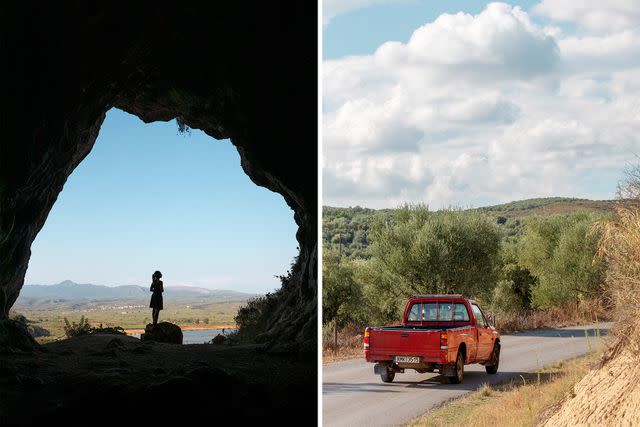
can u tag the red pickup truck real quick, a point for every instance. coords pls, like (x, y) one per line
(443, 332)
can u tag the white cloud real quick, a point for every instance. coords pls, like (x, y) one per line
(602, 52)
(594, 15)
(501, 38)
(478, 109)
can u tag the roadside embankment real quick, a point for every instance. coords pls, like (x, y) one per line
(610, 395)
(518, 402)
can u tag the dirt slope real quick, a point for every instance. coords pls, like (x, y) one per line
(606, 396)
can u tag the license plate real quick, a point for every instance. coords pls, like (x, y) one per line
(406, 359)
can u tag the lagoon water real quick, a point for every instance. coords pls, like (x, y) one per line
(199, 336)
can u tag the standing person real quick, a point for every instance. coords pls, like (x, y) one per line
(156, 297)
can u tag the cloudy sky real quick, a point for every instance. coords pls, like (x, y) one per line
(470, 103)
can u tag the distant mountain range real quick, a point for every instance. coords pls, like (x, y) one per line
(69, 290)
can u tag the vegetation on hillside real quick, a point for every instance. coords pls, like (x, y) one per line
(609, 395)
(252, 317)
(374, 260)
(272, 320)
(349, 229)
(559, 251)
(620, 248)
(550, 206)
(83, 327)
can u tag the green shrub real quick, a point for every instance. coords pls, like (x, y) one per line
(74, 329)
(341, 295)
(559, 251)
(116, 330)
(261, 314)
(251, 317)
(505, 298)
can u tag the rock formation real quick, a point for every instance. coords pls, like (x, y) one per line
(120, 380)
(14, 336)
(219, 339)
(242, 70)
(163, 332)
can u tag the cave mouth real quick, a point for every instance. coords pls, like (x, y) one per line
(234, 70)
(159, 196)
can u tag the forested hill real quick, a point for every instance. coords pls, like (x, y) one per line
(549, 206)
(44, 296)
(347, 229)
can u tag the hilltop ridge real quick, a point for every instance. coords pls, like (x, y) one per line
(348, 228)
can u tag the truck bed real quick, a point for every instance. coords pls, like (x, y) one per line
(443, 327)
(385, 342)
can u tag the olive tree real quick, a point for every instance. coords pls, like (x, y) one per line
(560, 252)
(451, 251)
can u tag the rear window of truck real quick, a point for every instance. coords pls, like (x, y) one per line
(438, 312)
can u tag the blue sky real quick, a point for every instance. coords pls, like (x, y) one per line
(361, 31)
(471, 103)
(147, 198)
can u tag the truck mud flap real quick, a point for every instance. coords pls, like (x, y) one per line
(448, 370)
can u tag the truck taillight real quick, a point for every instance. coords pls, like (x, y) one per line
(366, 338)
(444, 341)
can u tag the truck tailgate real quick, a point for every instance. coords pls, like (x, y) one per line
(384, 343)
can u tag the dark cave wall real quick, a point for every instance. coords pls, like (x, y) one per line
(233, 69)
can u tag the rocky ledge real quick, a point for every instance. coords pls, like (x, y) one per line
(162, 332)
(118, 380)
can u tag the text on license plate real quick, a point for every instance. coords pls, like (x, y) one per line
(406, 359)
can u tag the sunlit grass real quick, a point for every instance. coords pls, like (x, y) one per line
(523, 401)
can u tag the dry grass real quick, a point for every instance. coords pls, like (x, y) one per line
(608, 396)
(485, 390)
(520, 402)
(349, 344)
(342, 353)
(620, 246)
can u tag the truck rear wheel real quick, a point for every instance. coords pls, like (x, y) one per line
(495, 360)
(387, 376)
(457, 378)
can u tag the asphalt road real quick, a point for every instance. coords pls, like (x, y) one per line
(354, 396)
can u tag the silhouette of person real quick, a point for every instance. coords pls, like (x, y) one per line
(156, 297)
